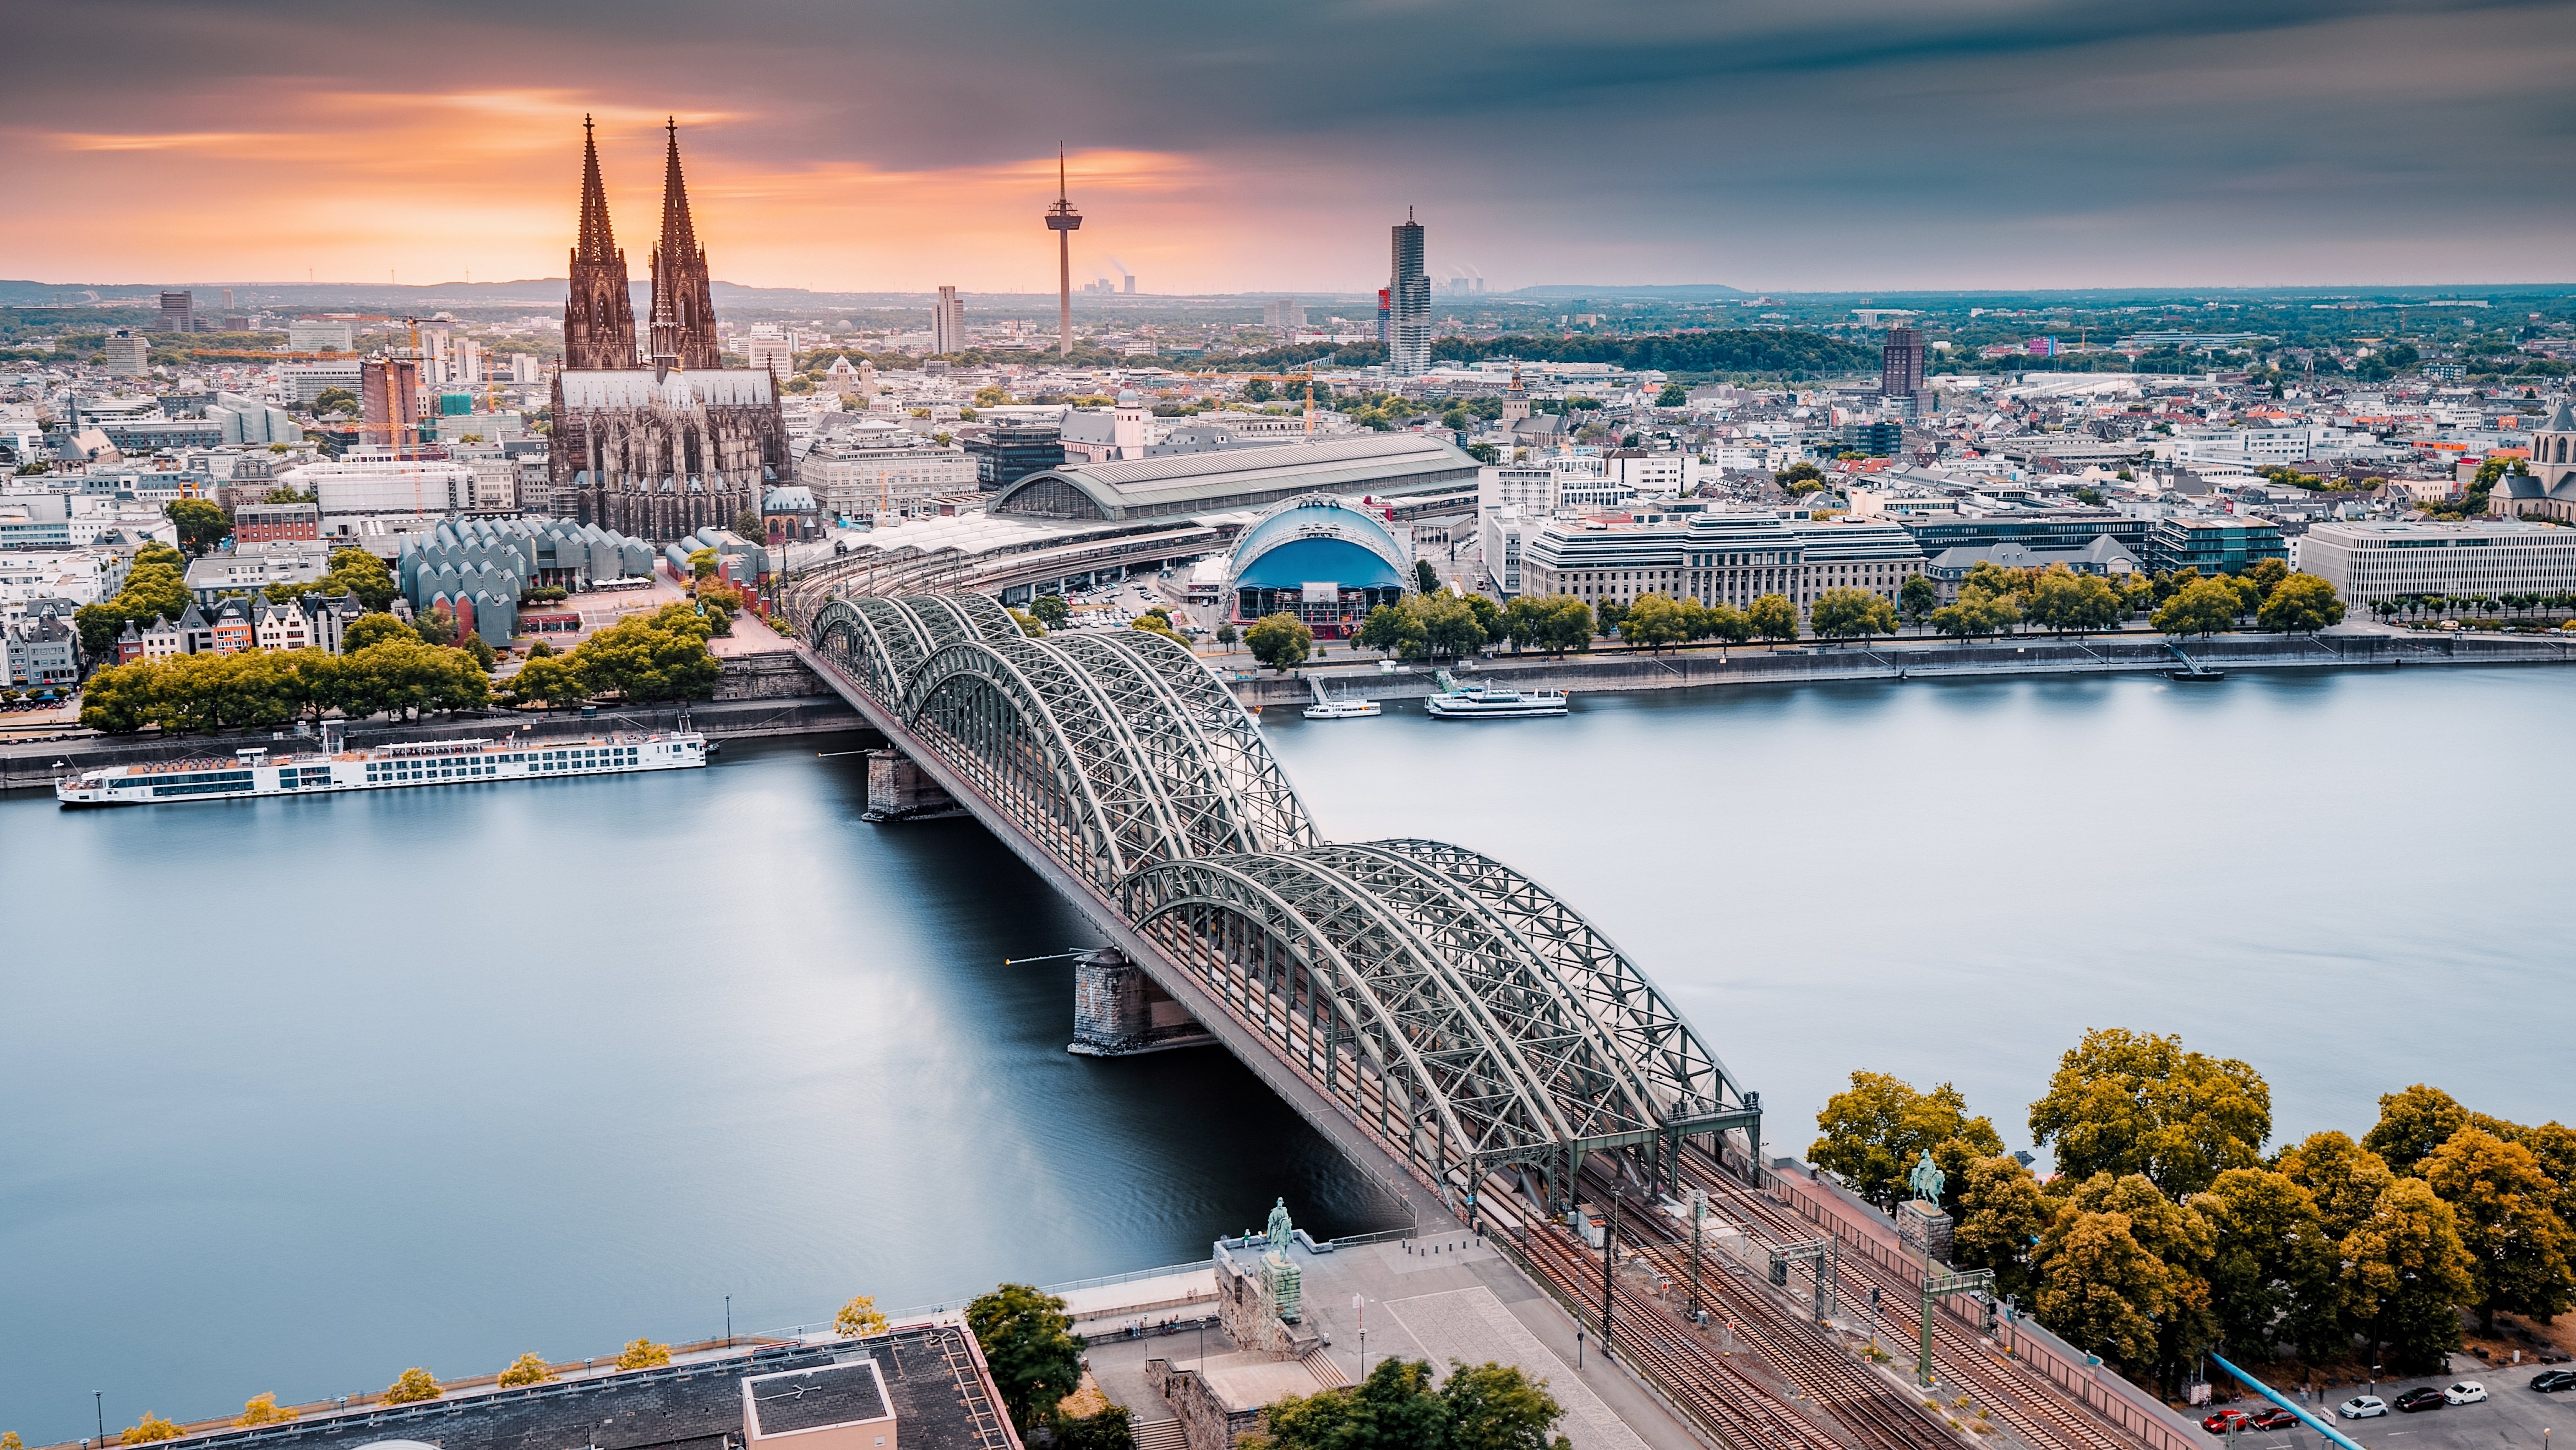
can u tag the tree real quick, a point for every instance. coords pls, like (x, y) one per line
(1106, 1429)
(1225, 634)
(1879, 1127)
(2405, 1270)
(1480, 1407)
(1655, 621)
(1051, 610)
(2178, 1238)
(1028, 624)
(527, 1369)
(1674, 395)
(2507, 1216)
(661, 656)
(148, 1429)
(704, 563)
(1566, 623)
(642, 1353)
(1152, 622)
(1425, 578)
(1977, 612)
(2266, 575)
(2272, 1268)
(1722, 622)
(435, 626)
(2062, 599)
(202, 522)
(1844, 613)
(1612, 613)
(1918, 598)
(2204, 607)
(359, 573)
(1496, 1407)
(1029, 1345)
(750, 525)
(547, 680)
(2003, 1214)
(1773, 617)
(2341, 1177)
(2412, 1124)
(1279, 641)
(859, 1318)
(411, 679)
(2099, 1290)
(1396, 630)
(2126, 1102)
(335, 400)
(2300, 603)
(1450, 627)
(411, 1387)
(263, 1410)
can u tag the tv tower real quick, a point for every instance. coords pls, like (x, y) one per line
(1064, 221)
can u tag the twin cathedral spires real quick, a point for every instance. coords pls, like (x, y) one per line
(599, 318)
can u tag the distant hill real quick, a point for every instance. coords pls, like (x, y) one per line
(1673, 292)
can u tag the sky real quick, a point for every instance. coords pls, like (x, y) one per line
(1827, 145)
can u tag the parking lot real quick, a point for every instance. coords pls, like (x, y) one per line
(2513, 1415)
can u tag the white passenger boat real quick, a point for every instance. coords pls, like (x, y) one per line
(1348, 707)
(252, 772)
(1490, 702)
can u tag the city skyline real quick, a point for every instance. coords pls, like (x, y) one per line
(1876, 148)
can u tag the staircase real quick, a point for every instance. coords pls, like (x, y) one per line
(1159, 1435)
(1319, 1363)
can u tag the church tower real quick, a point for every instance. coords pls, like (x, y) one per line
(684, 312)
(599, 318)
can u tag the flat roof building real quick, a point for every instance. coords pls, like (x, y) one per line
(2227, 545)
(1716, 558)
(2371, 560)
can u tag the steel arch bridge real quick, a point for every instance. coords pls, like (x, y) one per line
(1458, 1014)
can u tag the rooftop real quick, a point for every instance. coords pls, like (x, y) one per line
(1238, 478)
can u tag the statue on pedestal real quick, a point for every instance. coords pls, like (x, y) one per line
(1281, 1230)
(1927, 1179)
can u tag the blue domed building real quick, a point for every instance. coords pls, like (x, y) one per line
(1328, 561)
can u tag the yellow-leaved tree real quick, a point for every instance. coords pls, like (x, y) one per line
(264, 1410)
(643, 1354)
(859, 1318)
(152, 1427)
(527, 1369)
(415, 1385)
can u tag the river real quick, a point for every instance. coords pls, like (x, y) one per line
(300, 1093)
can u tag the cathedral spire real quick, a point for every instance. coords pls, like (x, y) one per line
(683, 314)
(598, 243)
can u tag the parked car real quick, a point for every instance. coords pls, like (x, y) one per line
(2466, 1392)
(2551, 1381)
(2275, 1418)
(2362, 1407)
(2422, 1397)
(2552, 1356)
(2224, 1421)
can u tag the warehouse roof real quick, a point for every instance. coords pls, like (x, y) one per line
(1237, 478)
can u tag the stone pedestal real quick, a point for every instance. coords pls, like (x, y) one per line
(1924, 1228)
(899, 790)
(1119, 1012)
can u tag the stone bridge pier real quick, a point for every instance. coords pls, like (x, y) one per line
(1119, 1012)
(899, 790)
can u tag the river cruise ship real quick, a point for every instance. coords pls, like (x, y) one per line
(384, 767)
(1490, 702)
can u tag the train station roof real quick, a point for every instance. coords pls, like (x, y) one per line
(1380, 464)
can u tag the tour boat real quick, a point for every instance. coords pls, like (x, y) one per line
(251, 772)
(1490, 702)
(1348, 707)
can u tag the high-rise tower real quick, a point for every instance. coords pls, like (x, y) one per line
(1408, 351)
(684, 308)
(1064, 221)
(1900, 364)
(599, 318)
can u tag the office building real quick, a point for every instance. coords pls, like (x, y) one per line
(1385, 327)
(1713, 558)
(1900, 363)
(389, 401)
(2220, 545)
(269, 523)
(2369, 560)
(2054, 529)
(129, 355)
(1284, 318)
(947, 323)
(1877, 438)
(1408, 352)
(178, 313)
(767, 348)
(311, 379)
(1009, 452)
(319, 334)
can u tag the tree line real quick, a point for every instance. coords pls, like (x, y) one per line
(2169, 1231)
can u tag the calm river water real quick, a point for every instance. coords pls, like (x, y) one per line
(296, 1094)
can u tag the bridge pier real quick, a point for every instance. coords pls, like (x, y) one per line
(1119, 1012)
(899, 790)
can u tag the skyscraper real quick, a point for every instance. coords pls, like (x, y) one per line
(1064, 221)
(178, 313)
(947, 323)
(1408, 352)
(1900, 364)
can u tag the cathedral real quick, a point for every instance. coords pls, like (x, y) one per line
(659, 445)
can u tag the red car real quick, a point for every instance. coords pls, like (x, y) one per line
(2275, 1418)
(2226, 1420)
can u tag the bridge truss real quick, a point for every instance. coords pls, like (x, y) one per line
(1457, 1012)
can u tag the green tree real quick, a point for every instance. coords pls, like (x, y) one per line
(1480, 1407)
(1107, 1429)
(2506, 1212)
(661, 656)
(1051, 610)
(1566, 624)
(1843, 613)
(2272, 1269)
(2266, 575)
(2342, 1178)
(1450, 627)
(149, 1429)
(2204, 607)
(1396, 630)
(202, 523)
(1918, 598)
(642, 1353)
(1279, 641)
(1655, 621)
(435, 626)
(1976, 613)
(2003, 1214)
(2406, 1270)
(361, 574)
(750, 525)
(858, 1318)
(704, 563)
(411, 1387)
(2061, 599)
(547, 680)
(409, 680)
(369, 629)
(1225, 634)
(1773, 617)
(1674, 395)
(1879, 1127)
(2300, 603)
(1425, 578)
(1028, 1343)
(2126, 1102)
(2412, 1124)
(263, 1409)
(1496, 1407)
(527, 1369)
(2100, 1290)
(1028, 624)
(2178, 1238)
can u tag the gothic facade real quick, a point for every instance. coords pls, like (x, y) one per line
(664, 450)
